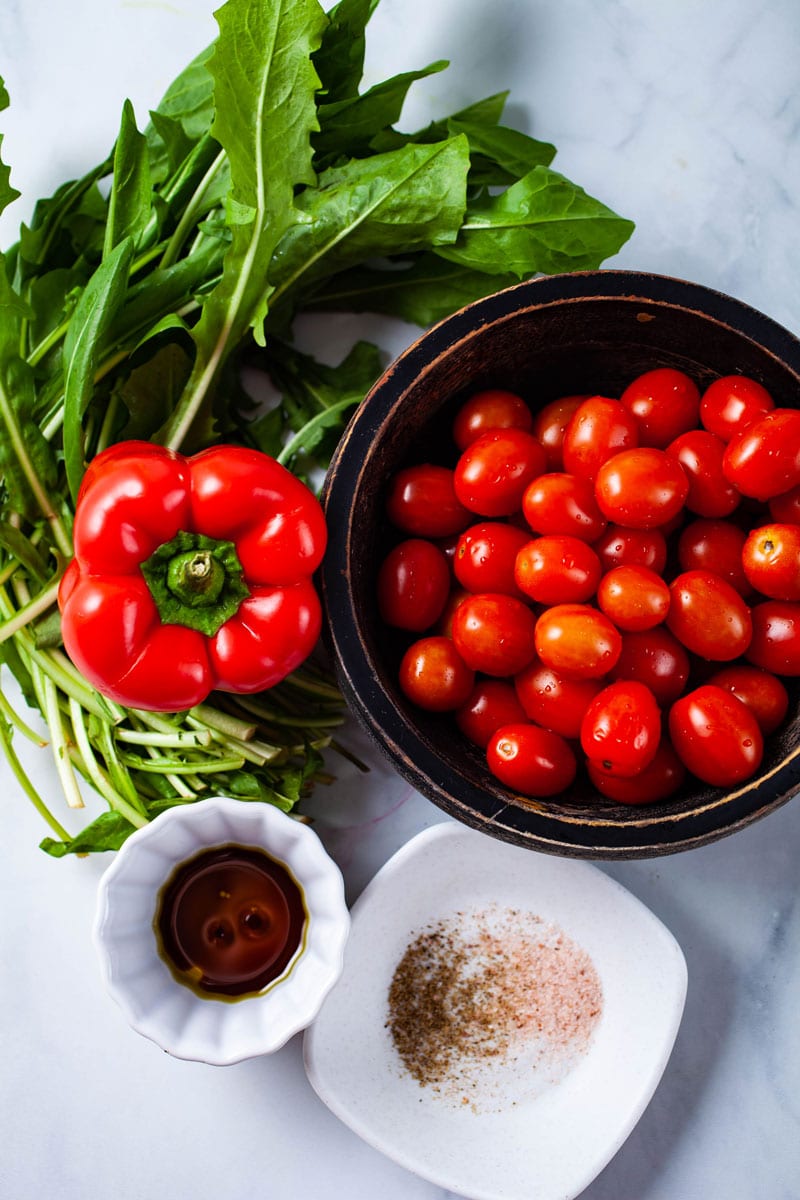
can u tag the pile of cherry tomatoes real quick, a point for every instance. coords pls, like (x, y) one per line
(607, 580)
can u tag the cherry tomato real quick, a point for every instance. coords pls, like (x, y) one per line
(444, 625)
(553, 701)
(764, 460)
(708, 545)
(422, 501)
(557, 569)
(761, 691)
(709, 616)
(530, 760)
(661, 778)
(485, 557)
(493, 408)
(731, 403)
(700, 454)
(433, 675)
(494, 633)
(493, 703)
(549, 425)
(621, 728)
(494, 471)
(561, 503)
(413, 585)
(641, 488)
(771, 560)
(599, 429)
(577, 641)
(776, 637)
(716, 736)
(657, 659)
(634, 598)
(621, 547)
(786, 507)
(665, 403)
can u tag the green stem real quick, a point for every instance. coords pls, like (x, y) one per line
(95, 773)
(46, 507)
(166, 766)
(30, 611)
(16, 720)
(26, 785)
(52, 714)
(190, 214)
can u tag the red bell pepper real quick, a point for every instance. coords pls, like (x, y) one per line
(190, 574)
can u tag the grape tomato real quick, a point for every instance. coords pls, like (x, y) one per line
(493, 408)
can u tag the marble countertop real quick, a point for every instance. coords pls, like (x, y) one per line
(684, 117)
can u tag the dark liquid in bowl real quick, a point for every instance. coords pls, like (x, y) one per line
(230, 920)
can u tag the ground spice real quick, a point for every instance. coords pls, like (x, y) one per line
(486, 1007)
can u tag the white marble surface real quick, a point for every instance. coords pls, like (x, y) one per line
(684, 116)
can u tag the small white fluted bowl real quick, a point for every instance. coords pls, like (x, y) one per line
(179, 1020)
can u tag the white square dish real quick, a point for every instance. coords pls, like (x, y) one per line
(548, 1139)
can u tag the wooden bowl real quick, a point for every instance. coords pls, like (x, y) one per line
(585, 332)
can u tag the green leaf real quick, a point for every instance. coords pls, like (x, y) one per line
(187, 103)
(543, 223)
(422, 290)
(19, 547)
(151, 390)
(406, 200)
(27, 463)
(100, 302)
(106, 832)
(129, 201)
(48, 243)
(500, 155)
(339, 62)
(7, 192)
(265, 87)
(176, 142)
(347, 127)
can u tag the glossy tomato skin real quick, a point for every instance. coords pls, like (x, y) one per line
(764, 460)
(494, 471)
(599, 428)
(716, 736)
(557, 569)
(621, 728)
(493, 408)
(708, 616)
(413, 585)
(786, 507)
(494, 633)
(530, 760)
(553, 701)
(634, 598)
(621, 547)
(485, 557)
(762, 692)
(716, 546)
(577, 641)
(549, 425)
(700, 454)
(657, 659)
(433, 675)
(665, 403)
(775, 645)
(422, 501)
(492, 704)
(730, 404)
(659, 780)
(642, 488)
(771, 560)
(560, 503)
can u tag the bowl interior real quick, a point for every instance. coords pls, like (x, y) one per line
(588, 333)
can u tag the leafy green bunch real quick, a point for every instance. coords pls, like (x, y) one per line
(266, 184)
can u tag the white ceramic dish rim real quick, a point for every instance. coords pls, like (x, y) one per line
(424, 1168)
(218, 1032)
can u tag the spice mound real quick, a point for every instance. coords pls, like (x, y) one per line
(489, 1007)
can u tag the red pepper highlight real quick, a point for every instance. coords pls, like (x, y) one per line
(190, 574)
